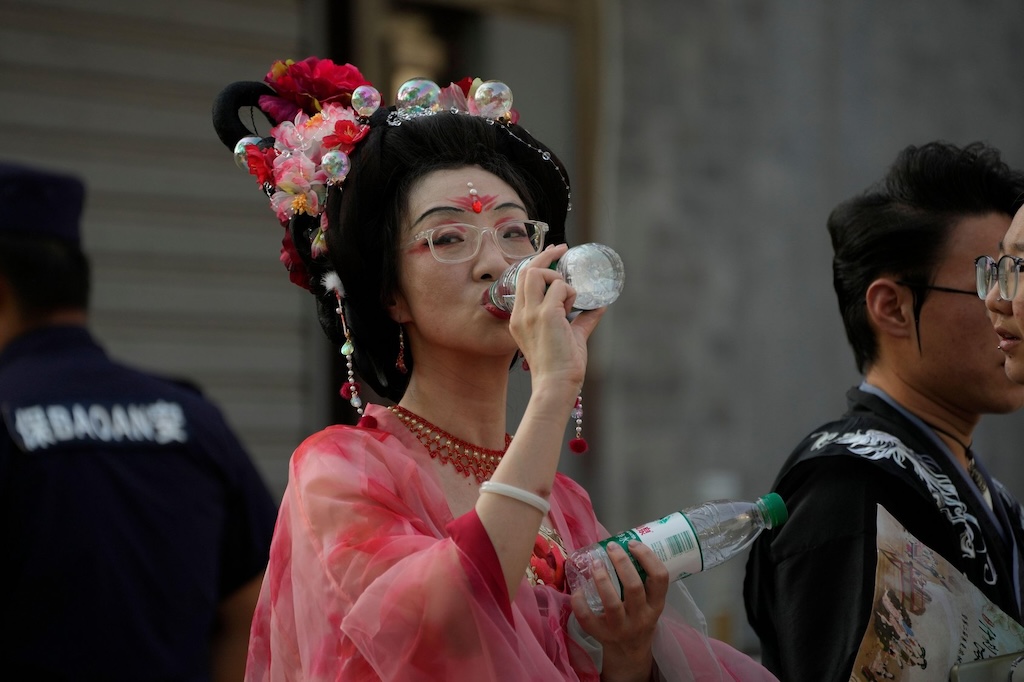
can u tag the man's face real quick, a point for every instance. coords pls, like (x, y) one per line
(961, 365)
(1008, 315)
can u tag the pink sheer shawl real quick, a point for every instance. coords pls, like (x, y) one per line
(367, 581)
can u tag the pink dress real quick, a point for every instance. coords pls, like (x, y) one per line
(372, 578)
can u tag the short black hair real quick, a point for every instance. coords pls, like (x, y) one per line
(46, 274)
(900, 226)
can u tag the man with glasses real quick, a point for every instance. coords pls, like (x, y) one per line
(902, 275)
(999, 284)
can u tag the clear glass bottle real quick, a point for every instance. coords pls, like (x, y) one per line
(594, 270)
(688, 541)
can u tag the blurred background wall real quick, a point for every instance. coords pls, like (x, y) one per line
(707, 143)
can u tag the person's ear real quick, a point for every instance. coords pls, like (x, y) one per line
(398, 308)
(890, 307)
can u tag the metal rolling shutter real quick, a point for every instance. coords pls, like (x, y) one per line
(184, 249)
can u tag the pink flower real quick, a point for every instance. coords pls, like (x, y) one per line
(459, 96)
(318, 247)
(297, 173)
(289, 204)
(454, 96)
(290, 135)
(300, 187)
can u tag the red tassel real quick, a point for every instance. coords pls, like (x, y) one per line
(347, 389)
(368, 422)
(578, 445)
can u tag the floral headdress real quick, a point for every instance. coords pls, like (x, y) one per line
(323, 111)
(320, 112)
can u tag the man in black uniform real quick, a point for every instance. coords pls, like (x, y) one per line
(135, 528)
(903, 273)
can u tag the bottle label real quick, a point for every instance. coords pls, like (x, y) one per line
(672, 538)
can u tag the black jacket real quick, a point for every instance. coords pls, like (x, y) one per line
(809, 584)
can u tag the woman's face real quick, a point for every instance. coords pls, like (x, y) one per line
(443, 306)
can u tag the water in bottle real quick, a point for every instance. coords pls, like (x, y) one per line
(594, 270)
(688, 541)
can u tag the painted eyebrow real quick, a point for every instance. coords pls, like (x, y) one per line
(459, 211)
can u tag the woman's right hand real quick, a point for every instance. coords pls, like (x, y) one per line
(554, 348)
(556, 351)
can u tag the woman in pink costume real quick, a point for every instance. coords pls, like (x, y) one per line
(425, 543)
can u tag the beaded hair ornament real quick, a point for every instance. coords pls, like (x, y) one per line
(323, 111)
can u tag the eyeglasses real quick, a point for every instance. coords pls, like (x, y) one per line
(458, 242)
(933, 287)
(989, 272)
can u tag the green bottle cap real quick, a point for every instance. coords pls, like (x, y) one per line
(774, 508)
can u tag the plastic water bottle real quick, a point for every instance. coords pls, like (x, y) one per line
(594, 270)
(688, 541)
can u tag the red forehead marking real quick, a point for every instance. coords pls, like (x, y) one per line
(475, 202)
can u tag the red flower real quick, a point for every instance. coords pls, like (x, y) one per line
(346, 134)
(261, 163)
(466, 83)
(291, 260)
(548, 563)
(307, 86)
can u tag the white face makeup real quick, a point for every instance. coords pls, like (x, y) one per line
(442, 304)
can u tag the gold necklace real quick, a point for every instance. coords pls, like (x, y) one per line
(465, 457)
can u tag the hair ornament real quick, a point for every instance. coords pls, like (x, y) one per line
(417, 97)
(474, 198)
(332, 282)
(350, 388)
(490, 100)
(321, 111)
(241, 153)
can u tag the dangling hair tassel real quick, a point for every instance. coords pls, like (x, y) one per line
(350, 389)
(578, 444)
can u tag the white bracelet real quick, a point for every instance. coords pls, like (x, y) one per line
(525, 496)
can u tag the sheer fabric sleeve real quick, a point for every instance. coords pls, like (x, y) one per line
(370, 578)
(365, 583)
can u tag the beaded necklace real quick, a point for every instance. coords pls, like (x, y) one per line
(465, 457)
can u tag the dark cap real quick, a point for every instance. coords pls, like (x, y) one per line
(39, 203)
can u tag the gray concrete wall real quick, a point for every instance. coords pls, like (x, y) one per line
(732, 128)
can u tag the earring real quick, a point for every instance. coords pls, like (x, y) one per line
(525, 365)
(400, 362)
(578, 444)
